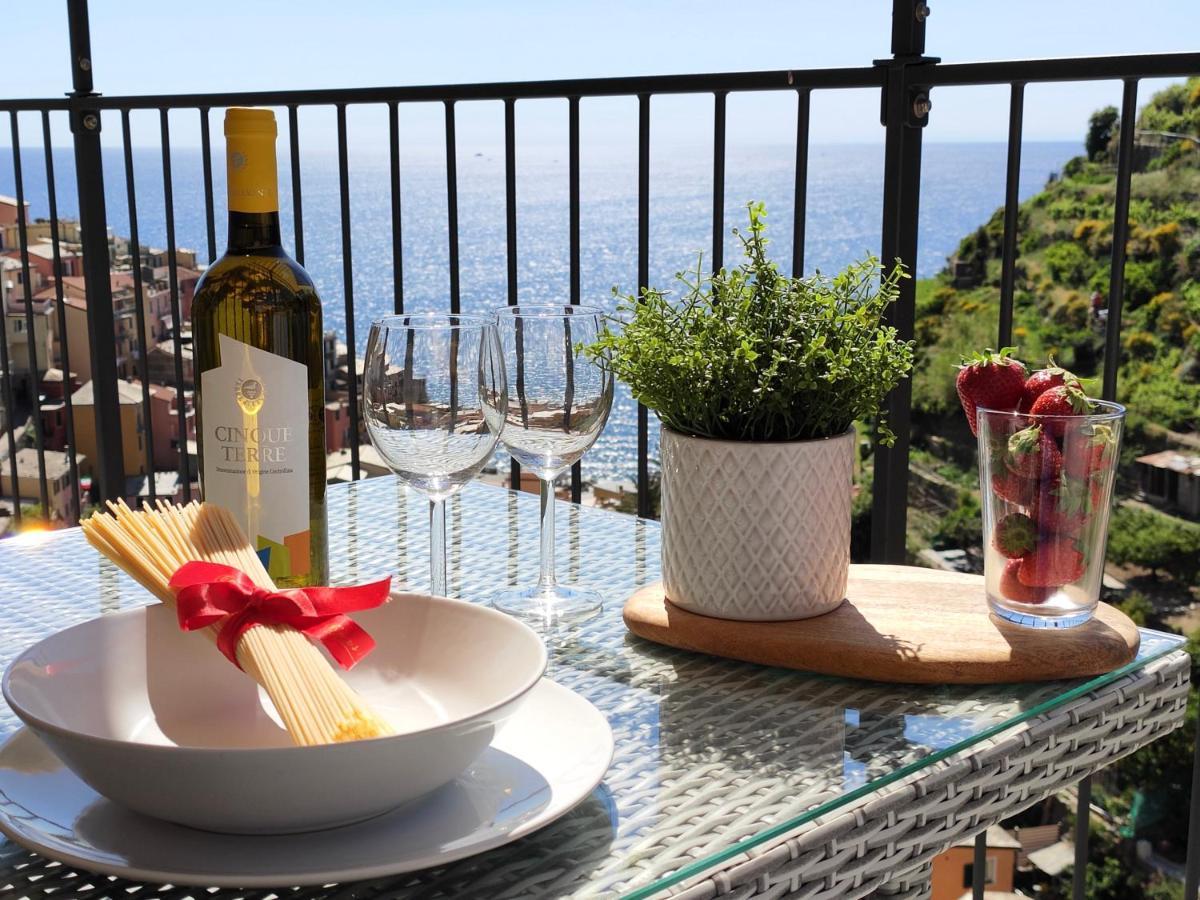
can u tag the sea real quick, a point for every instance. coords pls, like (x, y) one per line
(962, 185)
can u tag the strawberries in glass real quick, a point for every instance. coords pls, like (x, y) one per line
(1047, 468)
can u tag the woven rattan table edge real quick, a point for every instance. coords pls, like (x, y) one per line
(898, 830)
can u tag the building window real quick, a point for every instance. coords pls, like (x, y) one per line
(989, 873)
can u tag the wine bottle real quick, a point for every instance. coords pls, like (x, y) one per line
(256, 322)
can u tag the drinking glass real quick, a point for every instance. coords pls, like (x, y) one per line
(432, 387)
(1046, 484)
(556, 409)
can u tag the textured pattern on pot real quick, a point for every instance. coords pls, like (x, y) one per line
(756, 530)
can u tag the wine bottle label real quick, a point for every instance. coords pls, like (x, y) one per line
(254, 419)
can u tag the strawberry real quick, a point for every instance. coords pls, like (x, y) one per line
(1032, 454)
(1042, 380)
(1012, 588)
(1056, 561)
(1064, 400)
(1014, 488)
(1088, 451)
(991, 380)
(1015, 535)
(1065, 506)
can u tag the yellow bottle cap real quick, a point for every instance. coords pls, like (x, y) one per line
(249, 120)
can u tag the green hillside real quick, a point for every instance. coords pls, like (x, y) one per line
(1064, 250)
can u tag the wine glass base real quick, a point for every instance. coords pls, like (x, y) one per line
(547, 608)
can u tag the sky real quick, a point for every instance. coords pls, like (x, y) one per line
(143, 47)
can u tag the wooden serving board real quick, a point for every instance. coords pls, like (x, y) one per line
(899, 624)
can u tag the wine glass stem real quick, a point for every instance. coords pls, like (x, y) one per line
(546, 581)
(437, 548)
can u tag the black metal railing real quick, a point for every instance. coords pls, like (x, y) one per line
(906, 82)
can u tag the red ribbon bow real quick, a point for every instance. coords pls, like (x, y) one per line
(206, 593)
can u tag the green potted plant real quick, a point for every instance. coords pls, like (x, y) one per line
(757, 379)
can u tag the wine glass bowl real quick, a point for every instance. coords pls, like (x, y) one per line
(557, 404)
(432, 385)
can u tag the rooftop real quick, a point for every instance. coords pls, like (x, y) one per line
(57, 463)
(168, 348)
(1188, 464)
(74, 285)
(1054, 859)
(127, 393)
(166, 484)
(996, 837)
(45, 250)
(6, 200)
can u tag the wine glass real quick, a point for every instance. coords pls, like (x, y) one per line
(432, 388)
(556, 409)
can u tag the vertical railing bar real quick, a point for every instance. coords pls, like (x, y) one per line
(86, 124)
(979, 866)
(1082, 827)
(901, 217)
(573, 240)
(800, 196)
(397, 225)
(510, 231)
(297, 207)
(139, 302)
(30, 332)
(452, 205)
(1191, 879)
(185, 463)
(348, 286)
(206, 156)
(1116, 282)
(718, 210)
(9, 415)
(643, 265)
(52, 199)
(1008, 259)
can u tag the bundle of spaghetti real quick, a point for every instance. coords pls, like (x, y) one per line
(315, 704)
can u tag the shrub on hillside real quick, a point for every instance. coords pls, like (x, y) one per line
(1188, 263)
(1095, 236)
(1155, 393)
(962, 527)
(1142, 281)
(1102, 125)
(1141, 345)
(1069, 264)
(1154, 541)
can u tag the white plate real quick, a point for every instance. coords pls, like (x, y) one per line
(153, 718)
(547, 759)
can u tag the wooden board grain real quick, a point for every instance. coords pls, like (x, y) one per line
(899, 624)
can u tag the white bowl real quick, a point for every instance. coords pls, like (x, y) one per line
(159, 721)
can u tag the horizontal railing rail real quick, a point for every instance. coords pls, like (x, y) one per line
(1051, 69)
(904, 81)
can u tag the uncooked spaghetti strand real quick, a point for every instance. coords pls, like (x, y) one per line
(315, 704)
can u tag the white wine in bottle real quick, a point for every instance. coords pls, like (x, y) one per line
(256, 324)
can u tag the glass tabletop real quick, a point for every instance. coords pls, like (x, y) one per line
(712, 756)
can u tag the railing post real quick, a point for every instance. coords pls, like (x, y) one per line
(905, 111)
(93, 225)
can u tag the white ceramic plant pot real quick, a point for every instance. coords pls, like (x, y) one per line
(756, 530)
